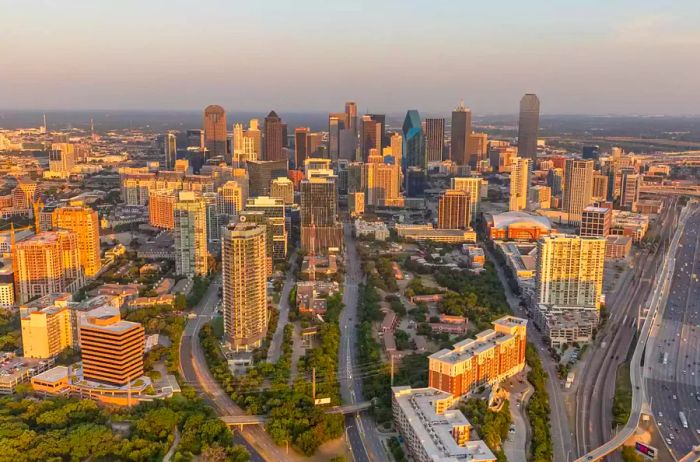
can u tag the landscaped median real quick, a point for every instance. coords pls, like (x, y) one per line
(538, 408)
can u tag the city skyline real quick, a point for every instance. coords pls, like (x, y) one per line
(622, 51)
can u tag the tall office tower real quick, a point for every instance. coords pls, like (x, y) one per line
(24, 195)
(415, 182)
(371, 136)
(230, 198)
(600, 187)
(84, 222)
(246, 143)
(555, 180)
(453, 210)
(434, 139)
(578, 187)
(161, 206)
(413, 153)
(112, 349)
(273, 210)
(460, 130)
(315, 146)
(472, 186)
(282, 188)
(519, 183)
(357, 177)
(528, 124)
(477, 147)
(46, 332)
(351, 115)
(190, 220)
(274, 138)
(569, 270)
(62, 158)
(320, 229)
(383, 186)
(301, 145)
(595, 221)
(336, 123)
(591, 152)
(46, 263)
(170, 150)
(261, 174)
(314, 167)
(629, 190)
(195, 138)
(215, 132)
(244, 278)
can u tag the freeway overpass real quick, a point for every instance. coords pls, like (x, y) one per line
(244, 419)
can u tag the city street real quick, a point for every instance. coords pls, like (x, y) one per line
(194, 370)
(360, 428)
(273, 354)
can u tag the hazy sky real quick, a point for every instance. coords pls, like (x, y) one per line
(579, 56)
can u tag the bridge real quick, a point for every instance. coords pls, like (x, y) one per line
(244, 419)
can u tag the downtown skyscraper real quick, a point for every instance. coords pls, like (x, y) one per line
(434, 139)
(528, 124)
(215, 132)
(190, 230)
(274, 138)
(461, 129)
(413, 154)
(578, 188)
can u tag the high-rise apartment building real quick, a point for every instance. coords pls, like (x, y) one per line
(383, 183)
(453, 210)
(84, 222)
(519, 183)
(282, 188)
(215, 132)
(570, 270)
(413, 152)
(161, 206)
(24, 195)
(596, 222)
(244, 277)
(112, 349)
(46, 263)
(320, 229)
(46, 332)
(274, 139)
(461, 128)
(555, 180)
(190, 232)
(495, 355)
(434, 139)
(578, 187)
(273, 210)
(472, 186)
(528, 125)
(230, 198)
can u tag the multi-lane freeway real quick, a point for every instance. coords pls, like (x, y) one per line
(673, 371)
(595, 388)
(360, 428)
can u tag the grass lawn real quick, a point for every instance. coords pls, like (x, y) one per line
(622, 403)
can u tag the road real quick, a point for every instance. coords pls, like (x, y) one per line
(194, 370)
(273, 354)
(561, 436)
(643, 349)
(360, 429)
(673, 372)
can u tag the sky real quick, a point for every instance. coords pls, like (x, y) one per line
(579, 56)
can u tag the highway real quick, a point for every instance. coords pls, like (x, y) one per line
(673, 372)
(360, 429)
(194, 370)
(595, 384)
(642, 353)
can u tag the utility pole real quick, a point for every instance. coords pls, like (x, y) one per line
(313, 384)
(392, 370)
